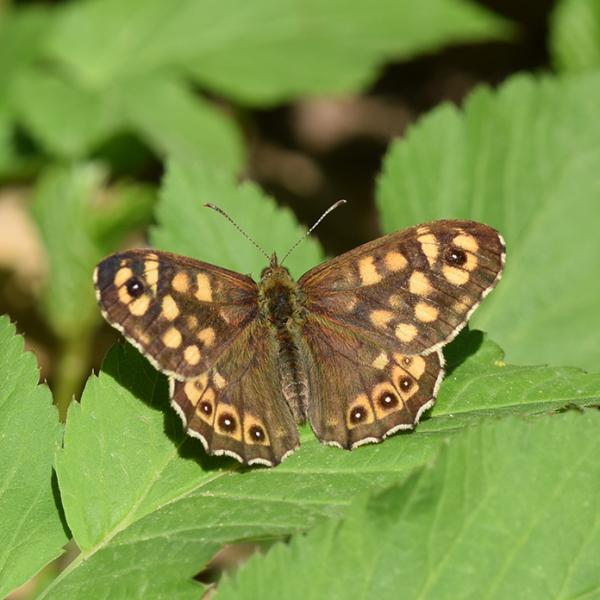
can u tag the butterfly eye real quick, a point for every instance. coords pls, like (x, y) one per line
(135, 288)
(455, 256)
(257, 433)
(387, 400)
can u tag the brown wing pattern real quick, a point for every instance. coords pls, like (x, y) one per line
(378, 390)
(237, 407)
(416, 287)
(181, 314)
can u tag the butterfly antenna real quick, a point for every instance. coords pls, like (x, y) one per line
(222, 212)
(330, 209)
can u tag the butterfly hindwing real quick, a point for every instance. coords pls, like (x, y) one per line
(381, 390)
(180, 313)
(416, 287)
(237, 407)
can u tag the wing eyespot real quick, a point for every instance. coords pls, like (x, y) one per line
(257, 433)
(387, 400)
(135, 288)
(455, 257)
(358, 414)
(406, 383)
(227, 422)
(206, 408)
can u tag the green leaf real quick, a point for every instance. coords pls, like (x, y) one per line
(71, 120)
(187, 227)
(263, 52)
(509, 510)
(181, 125)
(67, 120)
(77, 234)
(141, 495)
(575, 35)
(31, 528)
(23, 34)
(524, 160)
(61, 208)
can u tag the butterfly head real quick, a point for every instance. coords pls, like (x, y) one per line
(275, 272)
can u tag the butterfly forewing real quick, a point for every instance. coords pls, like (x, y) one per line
(180, 313)
(416, 287)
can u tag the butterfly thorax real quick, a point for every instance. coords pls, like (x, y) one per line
(281, 303)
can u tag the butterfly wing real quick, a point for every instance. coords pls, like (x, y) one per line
(198, 324)
(237, 407)
(379, 315)
(380, 392)
(415, 288)
(181, 314)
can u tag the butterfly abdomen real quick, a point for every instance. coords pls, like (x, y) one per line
(281, 307)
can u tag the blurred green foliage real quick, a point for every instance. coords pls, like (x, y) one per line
(93, 92)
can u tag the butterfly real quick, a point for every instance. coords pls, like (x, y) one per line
(354, 347)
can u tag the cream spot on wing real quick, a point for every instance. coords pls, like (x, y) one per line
(429, 246)
(406, 332)
(172, 338)
(206, 336)
(395, 301)
(466, 242)
(471, 262)
(351, 304)
(124, 296)
(426, 312)
(122, 275)
(367, 271)
(204, 291)
(141, 335)
(151, 274)
(462, 305)
(415, 365)
(170, 310)
(140, 305)
(219, 380)
(381, 361)
(192, 392)
(202, 382)
(395, 261)
(181, 282)
(381, 318)
(419, 284)
(223, 314)
(192, 322)
(455, 276)
(422, 230)
(192, 355)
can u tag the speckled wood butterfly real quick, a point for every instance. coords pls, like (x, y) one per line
(354, 346)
